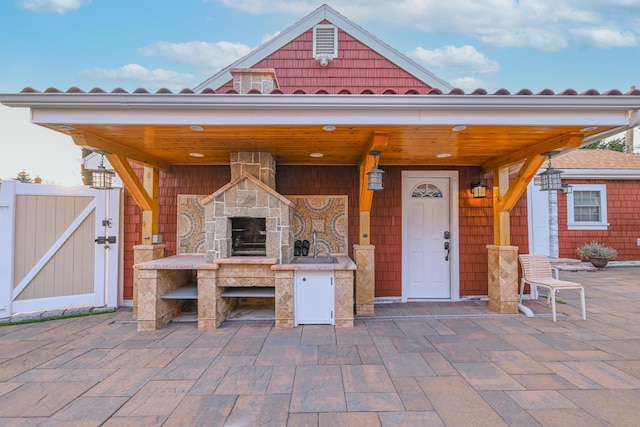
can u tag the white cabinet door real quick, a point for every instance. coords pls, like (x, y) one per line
(314, 297)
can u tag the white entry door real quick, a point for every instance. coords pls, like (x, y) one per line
(427, 236)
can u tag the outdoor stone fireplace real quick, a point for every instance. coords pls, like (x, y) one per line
(247, 217)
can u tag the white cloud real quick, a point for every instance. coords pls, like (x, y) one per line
(465, 58)
(270, 36)
(137, 74)
(548, 25)
(205, 57)
(52, 6)
(469, 84)
(606, 38)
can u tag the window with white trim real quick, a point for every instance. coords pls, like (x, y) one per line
(325, 41)
(587, 207)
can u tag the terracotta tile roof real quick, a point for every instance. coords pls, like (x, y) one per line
(429, 91)
(596, 159)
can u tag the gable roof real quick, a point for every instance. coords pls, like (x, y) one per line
(323, 14)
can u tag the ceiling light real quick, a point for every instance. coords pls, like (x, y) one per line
(589, 129)
(66, 127)
(328, 128)
(196, 154)
(443, 155)
(458, 128)
(316, 155)
(196, 128)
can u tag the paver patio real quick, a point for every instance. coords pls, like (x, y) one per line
(422, 364)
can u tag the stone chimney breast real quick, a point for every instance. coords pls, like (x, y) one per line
(259, 165)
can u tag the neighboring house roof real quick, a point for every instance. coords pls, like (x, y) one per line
(350, 34)
(601, 164)
(596, 159)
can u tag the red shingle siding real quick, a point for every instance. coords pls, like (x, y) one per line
(623, 205)
(357, 68)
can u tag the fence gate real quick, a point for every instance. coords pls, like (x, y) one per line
(59, 247)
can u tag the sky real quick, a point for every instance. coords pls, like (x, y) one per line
(176, 44)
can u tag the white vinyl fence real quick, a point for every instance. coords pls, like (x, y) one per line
(59, 247)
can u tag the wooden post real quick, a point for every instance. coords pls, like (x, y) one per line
(150, 218)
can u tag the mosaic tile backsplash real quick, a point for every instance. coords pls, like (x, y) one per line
(190, 225)
(325, 214)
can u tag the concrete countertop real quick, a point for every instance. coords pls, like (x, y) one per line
(344, 263)
(197, 262)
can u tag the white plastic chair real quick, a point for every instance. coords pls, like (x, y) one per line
(537, 271)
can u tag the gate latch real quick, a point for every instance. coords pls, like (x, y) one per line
(102, 240)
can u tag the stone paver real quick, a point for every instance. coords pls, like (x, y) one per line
(445, 365)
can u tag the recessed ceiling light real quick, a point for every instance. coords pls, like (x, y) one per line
(328, 128)
(316, 155)
(66, 127)
(196, 154)
(589, 129)
(443, 155)
(196, 128)
(458, 128)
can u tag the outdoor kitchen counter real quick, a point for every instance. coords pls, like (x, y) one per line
(197, 262)
(159, 277)
(344, 263)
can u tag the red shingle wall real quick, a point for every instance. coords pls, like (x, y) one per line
(475, 224)
(357, 68)
(623, 205)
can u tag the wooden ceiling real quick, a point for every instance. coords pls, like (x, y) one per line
(346, 145)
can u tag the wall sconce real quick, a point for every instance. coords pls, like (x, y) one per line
(478, 189)
(101, 178)
(550, 179)
(375, 174)
(567, 189)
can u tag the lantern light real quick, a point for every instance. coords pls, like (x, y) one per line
(478, 189)
(550, 179)
(375, 174)
(101, 178)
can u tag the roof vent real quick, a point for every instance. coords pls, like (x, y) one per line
(325, 43)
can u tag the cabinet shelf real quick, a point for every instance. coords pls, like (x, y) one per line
(253, 292)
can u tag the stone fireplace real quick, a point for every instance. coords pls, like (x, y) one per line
(248, 217)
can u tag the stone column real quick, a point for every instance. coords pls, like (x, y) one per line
(503, 279)
(284, 299)
(343, 298)
(365, 279)
(208, 296)
(153, 311)
(143, 253)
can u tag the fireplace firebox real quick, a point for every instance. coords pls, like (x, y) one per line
(249, 236)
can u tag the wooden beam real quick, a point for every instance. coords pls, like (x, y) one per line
(519, 185)
(130, 180)
(151, 217)
(501, 218)
(97, 143)
(573, 139)
(380, 139)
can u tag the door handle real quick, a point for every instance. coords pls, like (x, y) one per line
(447, 248)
